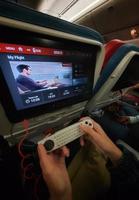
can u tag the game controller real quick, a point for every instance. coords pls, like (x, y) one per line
(65, 135)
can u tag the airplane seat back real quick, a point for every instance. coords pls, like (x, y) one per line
(37, 27)
(113, 62)
(122, 66)
(110, 48)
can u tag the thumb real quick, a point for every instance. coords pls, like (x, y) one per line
(87, 130)
(41, 150)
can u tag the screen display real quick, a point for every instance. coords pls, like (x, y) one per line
(38, 75)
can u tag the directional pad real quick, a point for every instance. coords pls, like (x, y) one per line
(49, 145)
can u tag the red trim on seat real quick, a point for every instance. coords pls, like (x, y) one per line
(110, 48)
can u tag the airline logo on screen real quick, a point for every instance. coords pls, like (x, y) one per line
(22, 49)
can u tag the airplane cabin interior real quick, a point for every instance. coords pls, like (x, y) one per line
(57, 66)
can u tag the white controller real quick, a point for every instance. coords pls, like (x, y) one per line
(65, 135)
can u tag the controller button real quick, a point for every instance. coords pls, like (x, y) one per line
(86, 122)
(90, 124)
(49, 145)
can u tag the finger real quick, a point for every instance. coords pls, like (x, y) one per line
(65, 151)
(82, 142)
(84, 128)
(84, 139)
(98, 128)
(95, 124)
(94, 136)
(62, 152)
(47, 133)
(43, 155)
(87, 129)
(83, 118)
(41, 150)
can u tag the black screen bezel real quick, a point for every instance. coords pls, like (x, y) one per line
(28, 38)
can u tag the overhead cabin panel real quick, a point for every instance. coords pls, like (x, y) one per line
(112, 16)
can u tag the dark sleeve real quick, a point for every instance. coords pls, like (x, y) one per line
(33, 85)
(125, 177)
(28, 83)
(127, 170)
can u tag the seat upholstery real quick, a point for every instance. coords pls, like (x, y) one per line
(110, 49)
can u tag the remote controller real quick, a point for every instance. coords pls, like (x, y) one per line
(65, 135)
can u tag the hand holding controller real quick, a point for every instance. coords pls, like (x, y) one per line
(65, 135)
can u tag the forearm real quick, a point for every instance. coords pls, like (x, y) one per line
(115, 155)
(59, 190)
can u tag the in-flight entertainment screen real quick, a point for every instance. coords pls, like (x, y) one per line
(35, 76)
(38, 75)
